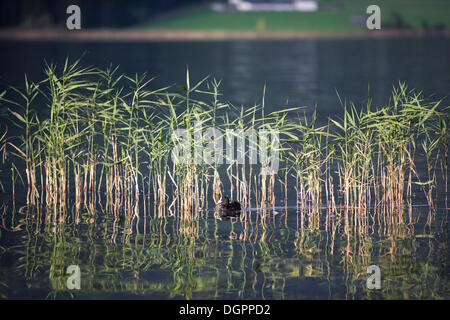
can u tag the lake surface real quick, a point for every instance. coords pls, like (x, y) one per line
(297, 73)
(286, 256)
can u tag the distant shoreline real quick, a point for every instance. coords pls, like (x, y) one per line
(130, 35)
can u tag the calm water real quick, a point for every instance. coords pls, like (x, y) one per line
(297, 73)
(285, 257)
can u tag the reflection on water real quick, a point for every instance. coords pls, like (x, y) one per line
(279, 254)
(295, 67)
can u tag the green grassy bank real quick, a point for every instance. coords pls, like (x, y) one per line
(332, 15)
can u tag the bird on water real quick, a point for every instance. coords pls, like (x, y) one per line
(227, 205)
(227, 209)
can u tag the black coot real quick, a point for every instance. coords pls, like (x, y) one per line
(228, 209)
(226, 205)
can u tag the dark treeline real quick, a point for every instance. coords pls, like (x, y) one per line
(95, 13)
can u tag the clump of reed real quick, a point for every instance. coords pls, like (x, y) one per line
(108, 136)
(367, 159)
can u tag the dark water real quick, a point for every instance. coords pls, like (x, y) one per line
(297, 73)
(286, 256)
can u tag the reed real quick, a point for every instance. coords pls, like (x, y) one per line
(108, 136)
(372, 154)
(2, 136)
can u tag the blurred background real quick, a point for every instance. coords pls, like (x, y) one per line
(97, 13)
(303, 50)
(227, 14)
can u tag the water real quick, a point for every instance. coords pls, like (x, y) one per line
(297, 73)
(286, 256)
